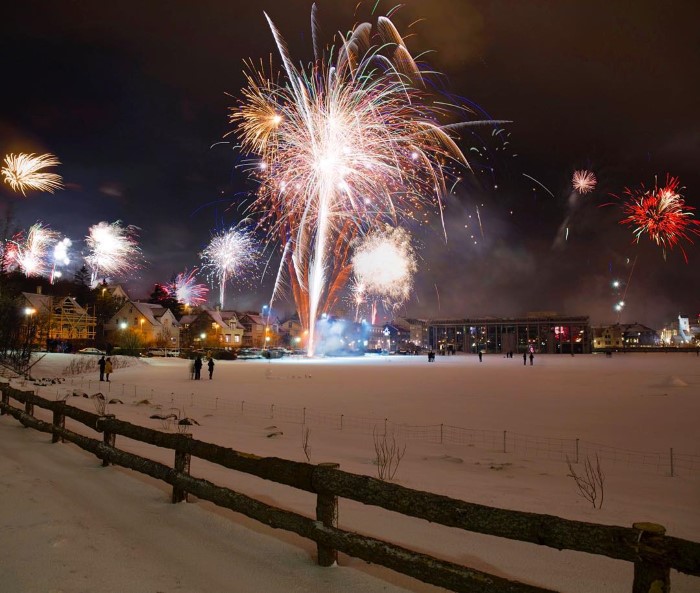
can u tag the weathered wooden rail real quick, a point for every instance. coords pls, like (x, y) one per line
(646, 545)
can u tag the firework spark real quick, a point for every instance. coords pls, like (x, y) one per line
(343, 147)
(230, 254)
(60, 257)
(661, 214)
(30, 253)
(186, 290)
(583, 181)
(383, 265)
(22, 172)
(113, 249)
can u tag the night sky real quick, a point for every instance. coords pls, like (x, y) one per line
(133, 98)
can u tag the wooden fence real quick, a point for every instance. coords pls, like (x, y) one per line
(646, 545)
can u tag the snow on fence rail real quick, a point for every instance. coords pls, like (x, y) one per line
(524, 446)
(645, 544)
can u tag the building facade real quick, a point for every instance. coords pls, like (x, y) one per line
(548, 333)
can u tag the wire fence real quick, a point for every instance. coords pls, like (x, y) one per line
(522, 446)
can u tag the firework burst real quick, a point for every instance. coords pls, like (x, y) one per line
(30, 253)
(23, 172)
(186, 289)
(583, 181)
(661, 214)
(384, 264)
(230, 254)
(113, 249)
(342, 148)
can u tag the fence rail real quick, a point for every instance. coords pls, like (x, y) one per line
(525, 446)
(646, 545)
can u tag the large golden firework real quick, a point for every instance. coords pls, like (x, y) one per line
(23, 172)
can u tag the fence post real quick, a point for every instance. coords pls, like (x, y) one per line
(108, 438)
(327, 513)
(5, 400)
(576, 450)
(341, 418)
(441, 434)
(303, 416)
(504, 442)
(59, 421)
(28, 405)
(671, 461)
(650, 577)
(182, 466)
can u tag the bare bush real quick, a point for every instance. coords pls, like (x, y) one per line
(590, 484)
(100, 403)
(389, 454)
(305, 443)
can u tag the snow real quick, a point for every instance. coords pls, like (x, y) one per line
(69, 525)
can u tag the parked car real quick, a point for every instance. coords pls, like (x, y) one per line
(172, 353)
(155, 352)
(90, 351)
(247, 353)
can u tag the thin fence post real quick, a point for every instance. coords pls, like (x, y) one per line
(59, 421)
(108, 438)
(28, 405)
(242, 403)
(386, 420)
(650, 577)
(576, 450)
(504, 442)
(441, 434)
(327, 513)
(303, 416)
(671, 461)
(182, 466)
(341, 421)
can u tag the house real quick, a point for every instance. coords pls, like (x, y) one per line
(155, 324)
(417, 330)
(259, 332)
(624, 335)
(292, 333)
(211, 328)
(60, 319)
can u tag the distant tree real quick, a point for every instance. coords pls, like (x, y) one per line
(161, 296)
(81, 280)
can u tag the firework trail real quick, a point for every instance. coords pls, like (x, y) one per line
(185, 289)
(538, 183)
(60, 257)
(22, 172)
(230, 254)
(113, 249)
(384, 264)
(30, 253)
(344, 146)
(661, 214)
(583, 181)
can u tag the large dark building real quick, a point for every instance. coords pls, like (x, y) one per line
(546, 333)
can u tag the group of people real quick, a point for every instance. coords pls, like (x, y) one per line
(105, 368)
(196, 371)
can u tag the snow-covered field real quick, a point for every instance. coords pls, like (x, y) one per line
(69, 525)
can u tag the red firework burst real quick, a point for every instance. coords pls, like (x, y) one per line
(661, 214)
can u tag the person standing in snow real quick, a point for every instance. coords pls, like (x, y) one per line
(532, 358)
(197, 367)
(108, 368)
(210, 366)
(524, 358)
(101, 363)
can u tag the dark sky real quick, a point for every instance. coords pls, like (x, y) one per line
(131, 96)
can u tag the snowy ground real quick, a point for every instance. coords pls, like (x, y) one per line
(90, 528)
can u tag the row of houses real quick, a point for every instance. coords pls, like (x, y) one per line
(65, 320)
